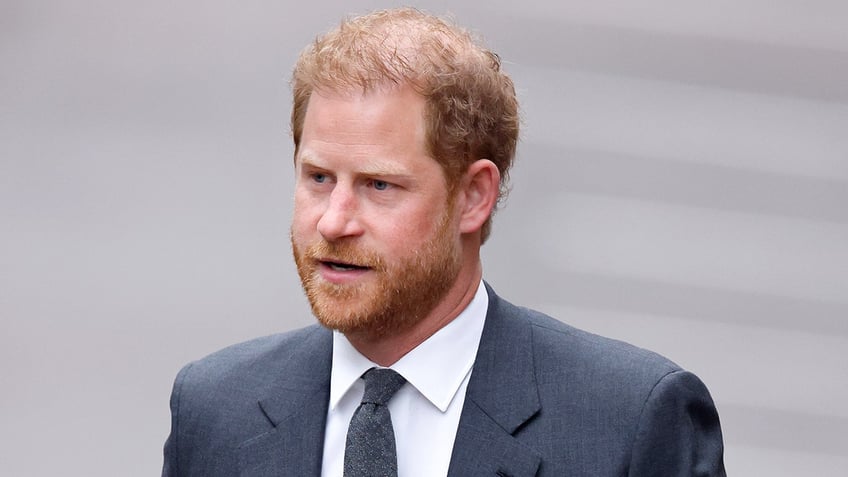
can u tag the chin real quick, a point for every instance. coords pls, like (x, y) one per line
(362, 320)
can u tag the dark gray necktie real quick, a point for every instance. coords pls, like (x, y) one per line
(370, 449)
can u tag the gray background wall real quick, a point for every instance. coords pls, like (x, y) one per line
(682, 184)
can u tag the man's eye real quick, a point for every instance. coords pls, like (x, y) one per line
(319, 178)
(380, 185)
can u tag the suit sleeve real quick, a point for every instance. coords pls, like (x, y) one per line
(679, 432)
(170, 467)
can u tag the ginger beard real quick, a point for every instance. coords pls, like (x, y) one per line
(398, 295)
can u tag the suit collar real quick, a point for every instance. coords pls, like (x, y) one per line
(296, 408)
(502, 396)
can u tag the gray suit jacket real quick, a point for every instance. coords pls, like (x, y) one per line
(544, 399)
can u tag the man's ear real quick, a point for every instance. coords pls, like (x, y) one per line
(479, 194)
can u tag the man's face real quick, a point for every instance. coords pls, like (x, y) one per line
(374, 235)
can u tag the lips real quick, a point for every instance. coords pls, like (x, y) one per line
(340, 272)
(342, 266)
(339, 263)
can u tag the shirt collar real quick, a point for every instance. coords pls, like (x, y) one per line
(436, 368)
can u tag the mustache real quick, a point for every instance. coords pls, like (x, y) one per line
(346, 253)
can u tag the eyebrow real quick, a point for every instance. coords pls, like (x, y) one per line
(379, 168)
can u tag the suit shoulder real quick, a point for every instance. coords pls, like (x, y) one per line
(561, 346)
(256, 358)
(255, 347)
(216, 400)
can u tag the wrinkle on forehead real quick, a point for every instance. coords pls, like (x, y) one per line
(377, 118)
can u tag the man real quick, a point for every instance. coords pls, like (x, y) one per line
(404, 131)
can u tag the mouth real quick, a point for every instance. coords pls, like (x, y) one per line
(342, 266)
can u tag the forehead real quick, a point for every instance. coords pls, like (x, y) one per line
(379, 124)
(405, 105)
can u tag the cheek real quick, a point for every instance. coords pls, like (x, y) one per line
(304, 217)
(307, 203)
(407, 230)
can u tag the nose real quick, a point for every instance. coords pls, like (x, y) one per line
(340, 218)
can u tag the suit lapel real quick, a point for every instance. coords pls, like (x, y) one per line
(296, 408)
(502, 396)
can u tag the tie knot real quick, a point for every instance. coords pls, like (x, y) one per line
(380, 385)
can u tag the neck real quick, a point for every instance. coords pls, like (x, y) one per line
(387, 350)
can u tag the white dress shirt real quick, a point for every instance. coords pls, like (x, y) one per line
(425, 411)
